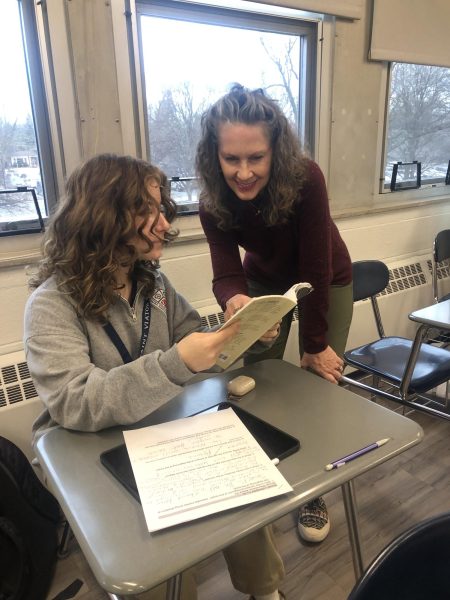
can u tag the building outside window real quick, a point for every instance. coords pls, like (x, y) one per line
(191, 55)
(418, 124)
(25, 154)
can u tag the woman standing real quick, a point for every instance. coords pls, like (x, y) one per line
(260, 192)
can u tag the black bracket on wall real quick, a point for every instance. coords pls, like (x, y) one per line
(19, 226)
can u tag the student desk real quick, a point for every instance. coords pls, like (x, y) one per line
(109, 524)
(434, 316)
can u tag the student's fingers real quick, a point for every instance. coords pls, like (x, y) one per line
(199, 351)
(227, 333)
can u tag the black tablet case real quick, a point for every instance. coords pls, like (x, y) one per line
(275, 443)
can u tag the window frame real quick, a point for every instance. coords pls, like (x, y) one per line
(39, 109)
(427, 192)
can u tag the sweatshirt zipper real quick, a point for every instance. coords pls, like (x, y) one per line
(132, 309)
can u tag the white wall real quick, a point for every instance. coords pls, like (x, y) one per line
(353, 167)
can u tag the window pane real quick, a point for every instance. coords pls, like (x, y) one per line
(183, 79)
(19, 163)
(419, 120)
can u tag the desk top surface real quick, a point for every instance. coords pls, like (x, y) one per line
(109, 524)
(436, 315)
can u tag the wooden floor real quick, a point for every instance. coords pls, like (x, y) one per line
(391, 498)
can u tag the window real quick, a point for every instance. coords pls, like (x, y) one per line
(191, 53)
(25, 154)
(419, 121)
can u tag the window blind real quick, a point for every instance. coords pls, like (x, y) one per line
(351, 9)
(411, 31)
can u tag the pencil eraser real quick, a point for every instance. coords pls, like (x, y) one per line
(241, 385)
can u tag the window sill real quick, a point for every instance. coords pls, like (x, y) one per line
(396, 201)
(21, 250)
(190, 229)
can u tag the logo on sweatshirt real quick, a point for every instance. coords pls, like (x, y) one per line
(159, 300)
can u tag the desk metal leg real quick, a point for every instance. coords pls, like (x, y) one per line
(174, 588)
(351, 513)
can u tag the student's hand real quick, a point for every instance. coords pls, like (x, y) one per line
(327, 364)
(200, 351)
(271, 334)
(234, 304)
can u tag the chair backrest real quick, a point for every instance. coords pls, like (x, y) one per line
(441, 248)
(414, 566)
(370, 277)
(441, 251)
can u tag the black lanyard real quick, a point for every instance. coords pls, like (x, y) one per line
(116, 340)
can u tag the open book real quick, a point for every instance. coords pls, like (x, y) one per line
(257, 317)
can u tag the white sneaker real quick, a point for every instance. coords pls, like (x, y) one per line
(313, 521)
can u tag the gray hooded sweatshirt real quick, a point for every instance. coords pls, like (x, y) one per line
(80, 375)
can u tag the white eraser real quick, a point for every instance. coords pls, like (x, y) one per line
(239, 386)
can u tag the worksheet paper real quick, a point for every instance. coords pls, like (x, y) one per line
(193, 467)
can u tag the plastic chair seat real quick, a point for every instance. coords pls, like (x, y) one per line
(388, 356)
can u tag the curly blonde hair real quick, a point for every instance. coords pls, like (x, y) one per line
(89, 236)
(251, 107)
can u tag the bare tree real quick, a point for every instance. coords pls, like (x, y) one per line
(15, 138)
(287, 64)
(7, 138)
(174, 125)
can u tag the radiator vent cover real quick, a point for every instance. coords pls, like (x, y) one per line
(404, 278)
(15, 384)
(443, 269)
(213, 319)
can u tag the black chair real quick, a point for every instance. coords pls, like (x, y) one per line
(414, 566)
(411, 368)
(441, 252)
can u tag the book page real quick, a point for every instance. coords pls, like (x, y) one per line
(197, 466)
(257, 317)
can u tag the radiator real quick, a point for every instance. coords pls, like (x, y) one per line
(19, 402)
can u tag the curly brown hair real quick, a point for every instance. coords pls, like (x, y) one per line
(89, 236)
(288, 168)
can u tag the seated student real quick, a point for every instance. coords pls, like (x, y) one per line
(100, 266)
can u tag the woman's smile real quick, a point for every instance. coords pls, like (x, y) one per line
(245, 157)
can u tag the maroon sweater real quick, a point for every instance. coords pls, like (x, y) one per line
(307, 248)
